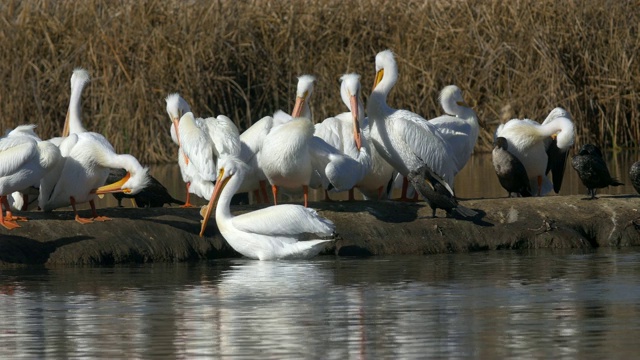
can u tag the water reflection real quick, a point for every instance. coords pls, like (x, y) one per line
(488, 305)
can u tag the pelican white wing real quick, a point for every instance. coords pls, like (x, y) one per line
(284, 220)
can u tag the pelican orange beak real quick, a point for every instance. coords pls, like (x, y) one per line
(175, 126)
(220, 184)
(114, 187)
(379, 76)
(297, 109)
(356, 123)
(462, 103)
(65, 129)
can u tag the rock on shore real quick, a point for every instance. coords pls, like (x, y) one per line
(364, 228)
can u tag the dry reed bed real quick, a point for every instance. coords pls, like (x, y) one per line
(241, 58)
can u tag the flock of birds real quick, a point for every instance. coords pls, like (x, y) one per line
(342, 153)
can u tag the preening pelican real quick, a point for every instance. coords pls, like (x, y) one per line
(176, 108)
(275, 232)
(24, 161)
(85, 167)
(530, 142)
(459, 126)
(203, 141)
(592, 170)
(404, 139)
(343, 132)
(510, 171)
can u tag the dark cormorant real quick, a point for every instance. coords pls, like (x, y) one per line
(154, 195)
(511, 173)
(634, 175)
(436, 192)
(592, 170)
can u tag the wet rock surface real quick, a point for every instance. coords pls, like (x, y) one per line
(363, 229)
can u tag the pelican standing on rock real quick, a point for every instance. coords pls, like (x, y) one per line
(530, 142)
(592, 170)
(275, 232)
(284, 157)
(405, 139)
(88, 156)
(176, 108)
(24, 160)
(203, 141)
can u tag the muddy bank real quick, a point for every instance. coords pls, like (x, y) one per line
(364, 228)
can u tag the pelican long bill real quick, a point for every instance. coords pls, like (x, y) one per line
(220, 184)
(114, 187)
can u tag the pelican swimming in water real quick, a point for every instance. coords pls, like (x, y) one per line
(343, 132)
(459, 126)
(404, 139)
(592, 170)
(275, 232)
(87, 158)
(24, 160)
(510, 171)
(541, 147)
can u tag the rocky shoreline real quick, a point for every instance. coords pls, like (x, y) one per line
(364, 229)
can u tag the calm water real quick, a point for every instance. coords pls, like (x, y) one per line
(499, 304)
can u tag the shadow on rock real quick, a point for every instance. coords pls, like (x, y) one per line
(21, 250)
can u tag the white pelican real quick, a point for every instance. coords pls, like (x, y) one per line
(284, 157)
(203, 141)
(343, 132)
(405, 139)
(79, 79)
(85, 167)
(251, 141)
(529, 141)
(275, 232)
(176, 108)
(24, 161)
(459, 126)
(87, 159)
(373, 185)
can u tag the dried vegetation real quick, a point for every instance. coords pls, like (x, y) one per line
(241, 58)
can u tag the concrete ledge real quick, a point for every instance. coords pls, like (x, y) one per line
(364, 228)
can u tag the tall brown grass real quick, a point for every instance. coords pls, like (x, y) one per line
(241, 58)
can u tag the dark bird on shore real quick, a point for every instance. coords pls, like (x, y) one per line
(592, 170)
(153, 195)
(437, 192)
(511, 173)
(634, 175)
